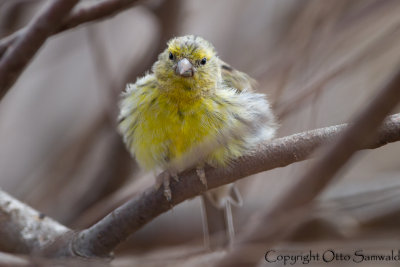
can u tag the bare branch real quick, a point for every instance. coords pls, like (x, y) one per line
(17, 49)
(293, 205)
(31, 39)
(105, 235)
(104, 9)
(79, 16)
(23, 229)
(8, 41)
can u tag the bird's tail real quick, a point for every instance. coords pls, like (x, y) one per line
(218, 227)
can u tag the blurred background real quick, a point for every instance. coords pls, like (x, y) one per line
(318, 61)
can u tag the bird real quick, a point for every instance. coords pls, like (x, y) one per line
(193, 109)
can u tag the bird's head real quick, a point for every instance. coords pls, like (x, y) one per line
(189, 62)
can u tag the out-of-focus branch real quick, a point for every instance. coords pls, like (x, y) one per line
(105, 235)
(317, 85)
(294, 204)
(23, 229)
(15, 59)
(79, 16)
(8, 41)
(28, 40)
(101, 10)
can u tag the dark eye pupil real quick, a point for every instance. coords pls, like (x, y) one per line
(171, 56)
(203, 61)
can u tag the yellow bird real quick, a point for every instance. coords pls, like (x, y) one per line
(193, 109)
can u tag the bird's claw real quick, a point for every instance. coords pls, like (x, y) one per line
(164, 179)
(202, 175)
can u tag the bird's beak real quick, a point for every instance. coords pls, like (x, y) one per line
(184, 68)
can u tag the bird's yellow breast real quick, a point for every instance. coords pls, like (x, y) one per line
(165, 128)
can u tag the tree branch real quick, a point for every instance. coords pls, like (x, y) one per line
(17, 49)
(79, 16)
(15, 59)
(23, 229)
(102, 10)
(104, 236)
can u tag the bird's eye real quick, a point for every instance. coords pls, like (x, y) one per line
(171, 56)
(203, 61)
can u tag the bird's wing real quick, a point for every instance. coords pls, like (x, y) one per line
(236, 79)
(131, 99)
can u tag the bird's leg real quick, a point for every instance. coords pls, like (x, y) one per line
(201, 174)
(164, 179)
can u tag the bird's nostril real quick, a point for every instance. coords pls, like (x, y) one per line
(184, 68)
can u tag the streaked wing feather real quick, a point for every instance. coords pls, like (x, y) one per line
(236, 79)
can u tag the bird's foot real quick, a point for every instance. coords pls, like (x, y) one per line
(202, 175)
(164, 179)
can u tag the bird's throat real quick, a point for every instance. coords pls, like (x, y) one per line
(180, 92)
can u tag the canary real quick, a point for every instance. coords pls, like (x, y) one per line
(192, 109)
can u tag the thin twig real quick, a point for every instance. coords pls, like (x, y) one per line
(293, 205)
(9, 40)
(16, 58)
(104, 236)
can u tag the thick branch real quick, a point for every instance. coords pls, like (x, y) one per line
(23, 229)
(15, 59)
(104, 236)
